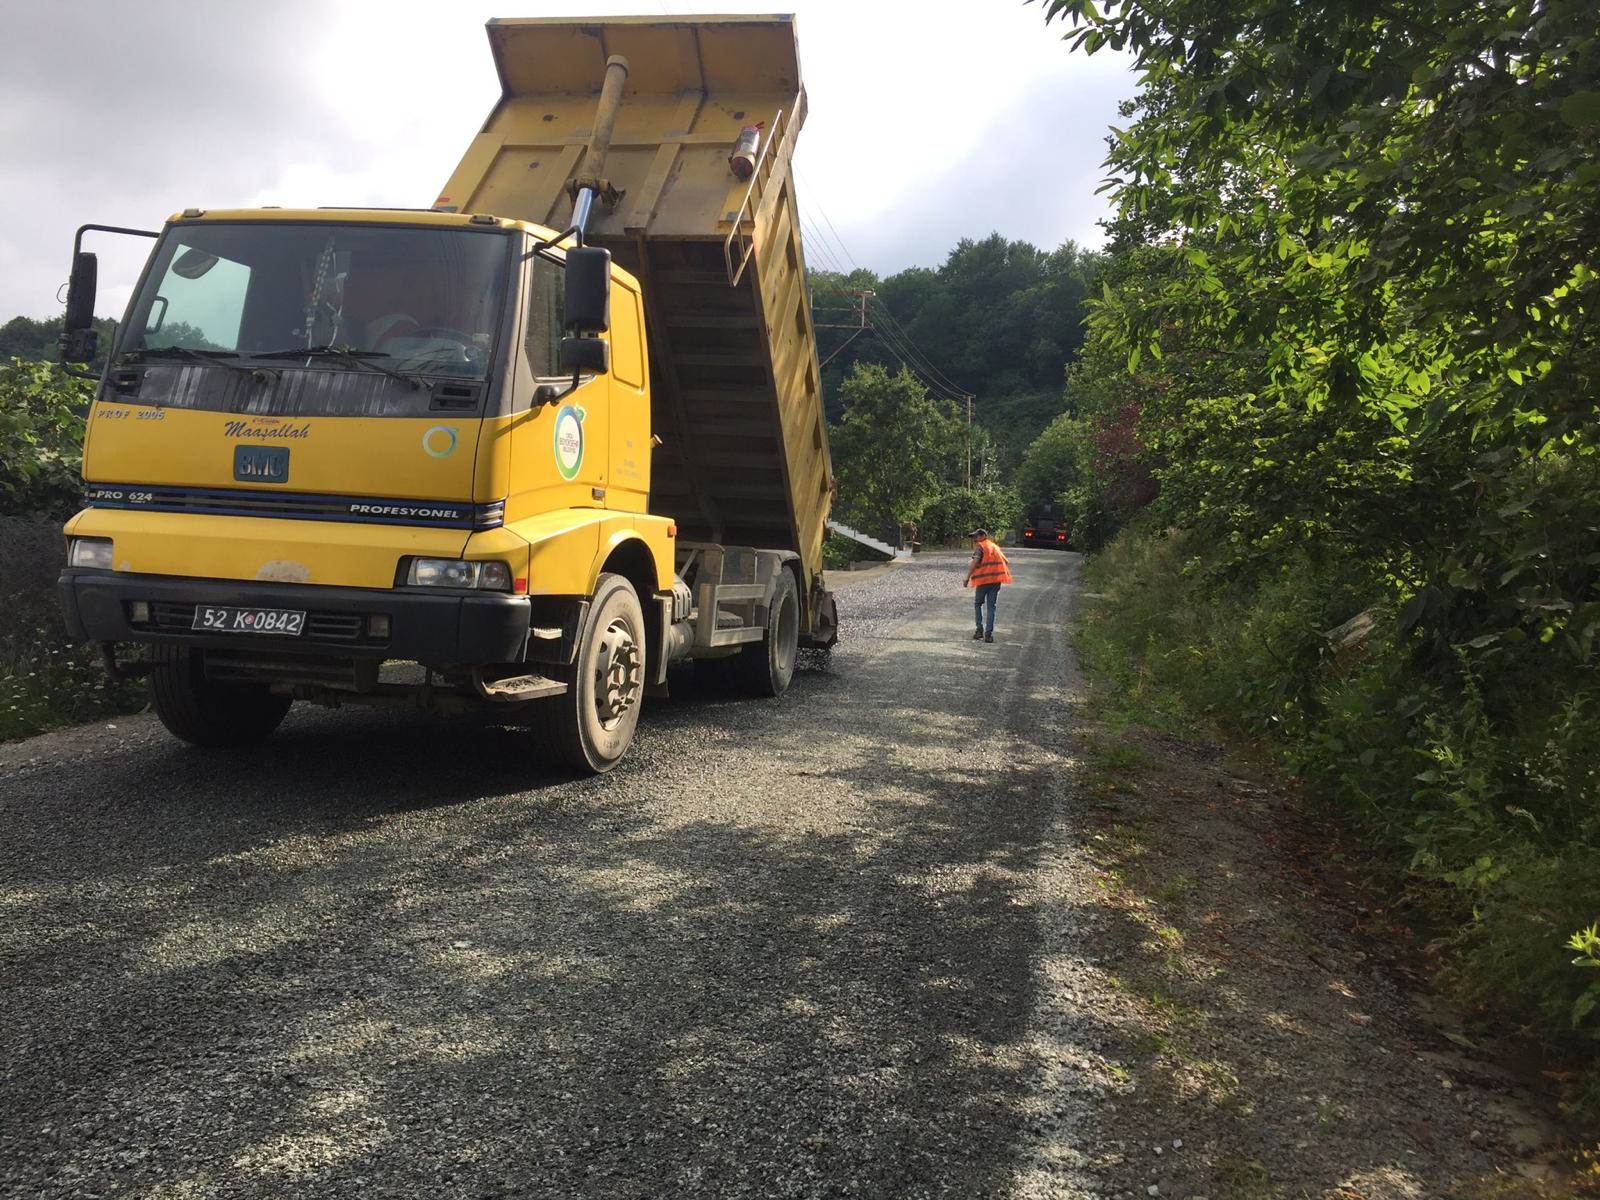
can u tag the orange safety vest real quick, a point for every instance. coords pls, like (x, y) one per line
(992, 567)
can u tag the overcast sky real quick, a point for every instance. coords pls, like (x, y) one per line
(930, 120)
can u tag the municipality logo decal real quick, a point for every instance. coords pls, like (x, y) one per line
(439, 442)
(569, 440)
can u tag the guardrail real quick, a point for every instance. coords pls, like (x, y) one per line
(882, 547)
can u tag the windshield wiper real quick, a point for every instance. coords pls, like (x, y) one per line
(212, 357)
(359, 358)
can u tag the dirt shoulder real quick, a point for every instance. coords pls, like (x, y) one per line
(1278, 1049)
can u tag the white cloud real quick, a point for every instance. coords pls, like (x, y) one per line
(929, 120)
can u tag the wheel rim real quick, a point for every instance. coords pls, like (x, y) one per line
(618, 674)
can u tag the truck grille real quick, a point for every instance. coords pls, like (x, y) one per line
(320, 626)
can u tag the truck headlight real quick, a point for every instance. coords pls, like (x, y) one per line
(89, 552)
(459, 573)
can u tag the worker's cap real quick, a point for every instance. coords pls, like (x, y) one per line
(978, 533)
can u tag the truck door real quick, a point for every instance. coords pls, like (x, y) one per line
(630, 405)
(560, 449)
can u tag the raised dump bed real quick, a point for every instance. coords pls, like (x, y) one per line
(736, 398)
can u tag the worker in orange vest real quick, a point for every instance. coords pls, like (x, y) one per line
(988, 571)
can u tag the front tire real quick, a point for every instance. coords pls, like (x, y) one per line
(592, 725)
(766, 668)
(205, 713)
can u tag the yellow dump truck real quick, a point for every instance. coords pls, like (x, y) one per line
(518, 452)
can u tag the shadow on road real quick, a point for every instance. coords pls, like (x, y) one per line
(784, 950)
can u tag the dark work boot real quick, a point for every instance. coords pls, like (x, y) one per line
(977, 635)
(988, 637)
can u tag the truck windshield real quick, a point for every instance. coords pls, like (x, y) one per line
(412, 299)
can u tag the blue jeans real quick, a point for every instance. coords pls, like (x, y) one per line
(983, 597)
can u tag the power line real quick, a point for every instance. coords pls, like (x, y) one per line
(887, 321)
(891, 334)
(824, 214)
(887, 318)
(888, 327)
(894, 340)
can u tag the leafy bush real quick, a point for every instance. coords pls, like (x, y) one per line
(892, 450)
(957, 511)
(1353, 280)
(41, 438)
(1480, 792)
(44, 679)
(838, 552)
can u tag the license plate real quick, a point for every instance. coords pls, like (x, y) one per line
(282, 621)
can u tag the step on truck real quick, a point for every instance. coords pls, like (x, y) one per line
(519, 452)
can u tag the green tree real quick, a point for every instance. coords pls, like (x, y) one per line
(1057, 461)
(893, 448)
(24, 337)
(998, 319)
(1386, 217)
(1356, 271)
(41, 439)
(958, 510)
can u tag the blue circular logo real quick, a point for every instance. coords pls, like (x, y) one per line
(439, 442)
(569, 441)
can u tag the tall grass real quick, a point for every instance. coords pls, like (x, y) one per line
(45, 680)
(1479, 795)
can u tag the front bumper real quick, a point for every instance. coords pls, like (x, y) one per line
(437, 628)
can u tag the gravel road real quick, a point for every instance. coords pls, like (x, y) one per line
(789, 948)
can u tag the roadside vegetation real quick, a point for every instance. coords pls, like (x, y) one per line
(900, 454)
(1335, 416)
(44, 680)
(998, 320)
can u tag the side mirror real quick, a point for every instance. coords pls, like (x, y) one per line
(588, 295)
(78, 338)
(585, 355)
(77, 345)
(80, 290)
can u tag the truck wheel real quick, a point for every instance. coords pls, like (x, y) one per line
(765, 668)
(205, 713)
(591, 726)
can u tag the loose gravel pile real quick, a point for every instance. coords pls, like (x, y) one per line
(850, 943)
(874, 602)
(786, 950)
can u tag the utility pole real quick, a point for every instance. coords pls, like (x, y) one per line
(861, 325)
(969, 441)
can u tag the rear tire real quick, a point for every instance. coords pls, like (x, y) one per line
(204, 713)
(766, 668)
(591, 727)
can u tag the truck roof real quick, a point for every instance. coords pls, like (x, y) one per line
(389, 216)
(372, 216)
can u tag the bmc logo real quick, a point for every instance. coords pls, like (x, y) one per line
(261, 464)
